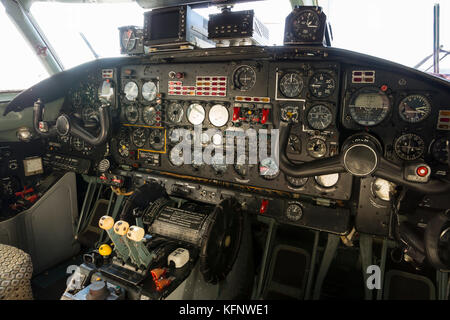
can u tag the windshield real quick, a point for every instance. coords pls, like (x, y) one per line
(400, 31)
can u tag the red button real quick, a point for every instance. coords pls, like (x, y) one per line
(422, 171)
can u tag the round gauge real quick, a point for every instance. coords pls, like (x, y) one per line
(195, 114)
(176, 156)
(369, 106)
(414, 108)
(132, 113)
(291, 85)
(89, 114)
(156, 139)
(290, 114)
(296, 182)
(139, 137)
(78, 144)
(316, 147)
(205, 138)
(268, 169)
(174, 135)
(124, 148)
(175, 112)
(244, 78)
(306, 25)
(382, 189)
(319, 117)
(322, 85)
(131, 90)
(241, 166)
(294, 212)
(128, 40)
(327, 180)
(217, 139)
(409, 146)
(149, 91)
(149, 115)
(440, 149)
(218, 115)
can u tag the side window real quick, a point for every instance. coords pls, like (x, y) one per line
(20, 68)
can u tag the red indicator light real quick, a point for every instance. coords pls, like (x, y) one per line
(264, 206)
(369, 79)
(422, 171)
(265, 116)
(357, 80)
(357, 73)
(236, 112)
(214, 79)
(247, 99)
(214, 93)
(180, 75)
(199, 93)
(222, 78)
(384, 87)
(444, 120)
(206, 78)
(221, 93)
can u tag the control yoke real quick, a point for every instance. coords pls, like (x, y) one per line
(66, 125)
(362, 156)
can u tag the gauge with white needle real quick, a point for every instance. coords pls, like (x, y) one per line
(195, 114)
(218, 115)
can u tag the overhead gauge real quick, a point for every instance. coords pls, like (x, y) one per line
(139, 137)
(316, 147)
(175, 112)
(290, 114)
(440, 149)
(306, 25)
(414, 108)
(369, 106)
(409, 146)
(327, 180)
(319, 117)
(244, 78)
(218, 115)
(132, 113)
(176, 156)
(294, 211)
(124, 148)
(291, 85)
(149, 115)
(131, 90)
(149, 91)
(322, 85)
(128, 40)
(195, 114)
(296, 182)
(156, 139)
(268, 169)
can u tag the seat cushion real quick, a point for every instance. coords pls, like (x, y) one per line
(16, 270)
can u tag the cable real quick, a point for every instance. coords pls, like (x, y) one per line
(119, 192)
